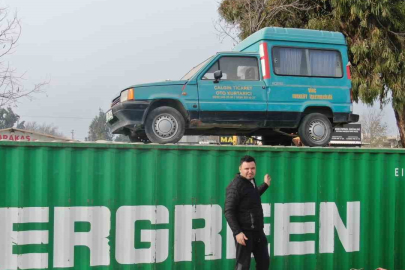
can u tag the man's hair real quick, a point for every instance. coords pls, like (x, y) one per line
(247, 159)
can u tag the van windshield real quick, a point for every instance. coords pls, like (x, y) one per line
(195, 69)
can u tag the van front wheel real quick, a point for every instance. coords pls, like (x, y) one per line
(164, 125)
(315, 130)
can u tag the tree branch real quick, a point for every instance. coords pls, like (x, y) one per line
(11, 88)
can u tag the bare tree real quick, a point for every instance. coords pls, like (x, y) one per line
(11, 88)
(44, 128)
(249, 16)
(373, 128)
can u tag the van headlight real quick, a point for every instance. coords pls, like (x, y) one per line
(127, 95)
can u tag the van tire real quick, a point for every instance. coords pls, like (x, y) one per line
(164, 125)
(315, 130)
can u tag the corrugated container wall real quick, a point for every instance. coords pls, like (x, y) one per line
(105, 206)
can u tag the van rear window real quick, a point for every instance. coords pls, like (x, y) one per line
(291, 61)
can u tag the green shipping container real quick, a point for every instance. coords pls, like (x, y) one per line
(122, 206)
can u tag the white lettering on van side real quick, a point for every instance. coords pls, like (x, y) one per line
(96, 239)
(10, 238)
(283, 228)
(330, 219)
(125, 251)
(185, 234)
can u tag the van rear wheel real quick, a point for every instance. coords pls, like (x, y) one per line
(164, 125)
(315, 130)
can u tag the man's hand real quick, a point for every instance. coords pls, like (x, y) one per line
(267, 179)
(240, 238)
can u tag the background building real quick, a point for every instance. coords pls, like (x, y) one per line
(15, 134)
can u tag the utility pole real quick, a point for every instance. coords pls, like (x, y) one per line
(73, 134)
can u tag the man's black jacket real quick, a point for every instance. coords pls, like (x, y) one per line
(243, 207)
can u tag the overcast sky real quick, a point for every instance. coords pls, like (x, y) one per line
(89, 50)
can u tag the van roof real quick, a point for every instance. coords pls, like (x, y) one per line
(237, 52)
(292, 35)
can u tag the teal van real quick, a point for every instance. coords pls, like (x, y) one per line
(275, 83)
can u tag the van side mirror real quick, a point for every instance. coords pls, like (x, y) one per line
(217, 76)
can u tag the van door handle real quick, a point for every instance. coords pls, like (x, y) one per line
(264, 87)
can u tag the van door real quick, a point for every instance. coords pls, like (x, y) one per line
(239, 96)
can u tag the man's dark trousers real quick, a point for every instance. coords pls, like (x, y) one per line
(256, 243)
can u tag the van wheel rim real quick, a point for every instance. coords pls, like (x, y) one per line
(165, 126)
(317, 130)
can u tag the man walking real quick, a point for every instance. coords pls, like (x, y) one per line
(244, 214)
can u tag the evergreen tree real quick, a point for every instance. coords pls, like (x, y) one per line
(121, 138)
(7, 118)
(375, 32)
(98, 129)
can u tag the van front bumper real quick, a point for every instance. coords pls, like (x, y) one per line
(127, 115)
(345, 118)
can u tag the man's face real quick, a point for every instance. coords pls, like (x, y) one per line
(248, 170)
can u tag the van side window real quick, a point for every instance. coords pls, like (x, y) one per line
(235, 69)
(307, 62)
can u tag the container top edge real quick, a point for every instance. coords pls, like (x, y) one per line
(196, 147)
